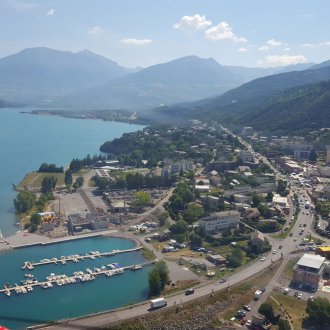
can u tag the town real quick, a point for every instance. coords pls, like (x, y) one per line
(209, 201)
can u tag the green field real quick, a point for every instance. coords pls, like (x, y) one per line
(33, 180)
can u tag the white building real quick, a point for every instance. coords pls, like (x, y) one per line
(219, 221)
(280, 201)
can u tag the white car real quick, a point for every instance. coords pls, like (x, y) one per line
(300, 295)
(248, 323)
(274, 251)
(262, 259)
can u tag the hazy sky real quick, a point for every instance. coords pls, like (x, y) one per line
(146, 32)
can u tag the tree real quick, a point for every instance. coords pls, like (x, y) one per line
(256, 200)
(48, 184)
(158, 278)
(267, 310)
(154, 283)
(35, 221)
(79, 182)
(24, 201)
(284, 324)
(101, 182)
(141, 199)
(193, 212)
(163, 218)
(313, 156)
(318, 310)
(236, 258)
(180, 227)
(281, 187)
(195, 240)
(163, 273)
(68, 178)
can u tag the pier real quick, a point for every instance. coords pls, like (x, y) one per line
(79, 276)
(75, 258)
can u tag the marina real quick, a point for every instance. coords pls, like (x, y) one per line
(47, 297)
(75, 258)
(62, 279)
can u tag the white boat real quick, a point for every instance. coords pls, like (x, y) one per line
(7, 293)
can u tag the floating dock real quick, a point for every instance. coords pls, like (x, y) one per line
(75, 258)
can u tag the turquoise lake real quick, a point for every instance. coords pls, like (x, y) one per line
(26, 141)
(61, 302)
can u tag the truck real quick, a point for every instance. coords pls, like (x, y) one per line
(257, 294)
(158, 303)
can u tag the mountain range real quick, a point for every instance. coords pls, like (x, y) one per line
(290, 102)
(47, 77)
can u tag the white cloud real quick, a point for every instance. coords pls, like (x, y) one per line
(279, 60)
(192, 24)
(222, 31)
(307, 45)
(325, 43)
(242, 50)
(50, 12)
(136, 42)
(21, 6)
(95, 30)
(262, 48)
(272, 42)
(286, 49)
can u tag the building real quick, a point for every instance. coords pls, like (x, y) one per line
(280, 201)
(239, 198)
(175, 167)
(328, 155)
(246, 156)
(258, 239)
(216, 259)
(219, 221)
(308, 271)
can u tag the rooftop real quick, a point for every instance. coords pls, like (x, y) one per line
(311, 261)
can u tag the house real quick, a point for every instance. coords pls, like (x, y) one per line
(219, 221)
(119, 206)
(240, 198)
(216, 259)
(308, 271)
(258, 238)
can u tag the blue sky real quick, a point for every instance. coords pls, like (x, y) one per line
(146, 32)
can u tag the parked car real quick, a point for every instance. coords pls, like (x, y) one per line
(247, 307)
(300, 296)
(223, 280)
(296, 294)
(248, 323)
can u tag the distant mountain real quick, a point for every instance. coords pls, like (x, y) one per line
(182, 80)
(264, 98)
(321, 65)
(42, 73)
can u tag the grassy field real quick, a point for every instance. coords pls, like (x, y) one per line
(295, 308)
(33, 180)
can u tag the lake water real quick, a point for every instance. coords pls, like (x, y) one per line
(60, 302)
(26, 141)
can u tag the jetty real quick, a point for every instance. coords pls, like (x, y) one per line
(75, 258)
(63, 279)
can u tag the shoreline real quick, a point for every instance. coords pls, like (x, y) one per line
(21, 239)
